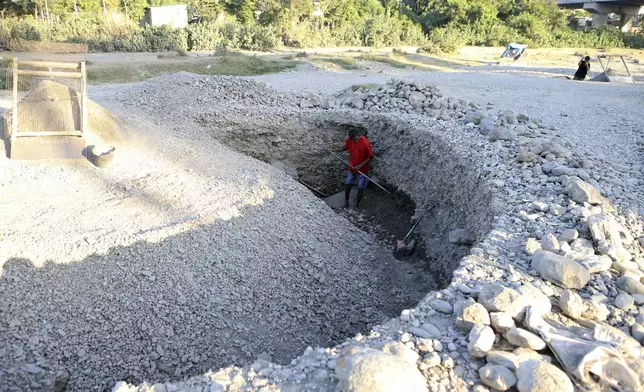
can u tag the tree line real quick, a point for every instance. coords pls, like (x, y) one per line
(437, 25)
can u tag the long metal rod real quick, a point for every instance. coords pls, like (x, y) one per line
(431, 206)
(366, 176)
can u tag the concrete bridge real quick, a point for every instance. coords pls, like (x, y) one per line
(600, 9)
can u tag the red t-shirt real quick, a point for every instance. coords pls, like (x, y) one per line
(359, 152)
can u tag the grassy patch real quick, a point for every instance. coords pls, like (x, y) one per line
(219, 65)
(347, 63)
(391, 60)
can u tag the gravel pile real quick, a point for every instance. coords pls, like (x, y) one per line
(554, 267)
(179, 257)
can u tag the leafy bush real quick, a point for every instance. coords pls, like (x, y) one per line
(633, 40)
(26, 30)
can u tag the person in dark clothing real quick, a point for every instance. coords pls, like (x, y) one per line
(584, 67)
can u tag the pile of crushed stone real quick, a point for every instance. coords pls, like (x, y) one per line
(559, 270)
(181, 256)
(563, 264)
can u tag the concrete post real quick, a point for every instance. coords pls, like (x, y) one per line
(599, 19)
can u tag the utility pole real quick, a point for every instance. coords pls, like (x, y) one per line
(104, 8)
(75, 10)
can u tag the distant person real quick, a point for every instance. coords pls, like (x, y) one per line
(360, 156)
(584, 68)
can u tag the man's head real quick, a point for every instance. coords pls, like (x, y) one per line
(587, 58)
(354, 135)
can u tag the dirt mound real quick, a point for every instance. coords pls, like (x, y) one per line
(54, 107)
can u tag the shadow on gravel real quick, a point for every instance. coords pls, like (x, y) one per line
(154, 311)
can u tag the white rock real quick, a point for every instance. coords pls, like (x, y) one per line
(560, 269)
(582, 192)
(531, 246)
(637, 332)
(497, 377)
(469, 313)
(549, 242)
(497, 298)
(368, 370)
(501, 322)
(481, 340)
(595, 311)
(568, 235)
(606, 233)
(502, 358)
(431, 360)
(401, 351)
(595, 263)
(416, 99)
(539, 376)
(441, 306)
(624, 301)
(121, 386)
(630, 285)
(522, 338)
(571, 304)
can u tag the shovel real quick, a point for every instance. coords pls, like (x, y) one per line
(401, 249)
(367, 177)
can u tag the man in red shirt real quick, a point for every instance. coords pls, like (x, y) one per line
(360, 155)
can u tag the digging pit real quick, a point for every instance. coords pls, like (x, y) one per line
(285, 273)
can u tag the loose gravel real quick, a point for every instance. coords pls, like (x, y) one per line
(164, 295)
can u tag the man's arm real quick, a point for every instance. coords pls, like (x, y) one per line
(340, 149)
(364, 163)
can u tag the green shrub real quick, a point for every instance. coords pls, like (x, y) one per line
(25, 30)
(634, 40)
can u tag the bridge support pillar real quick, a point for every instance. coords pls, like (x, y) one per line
(599, 19)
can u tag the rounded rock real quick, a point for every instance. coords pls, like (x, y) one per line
(571, 304)
(539, 376)
(369, 370)
(624, 301)
(497, 377)
(481, 340)
(522, 338)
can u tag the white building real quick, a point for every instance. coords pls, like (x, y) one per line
(172, 15)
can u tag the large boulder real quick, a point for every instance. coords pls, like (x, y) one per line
(539, 376)
(630, 285)
(582, 192)
(481, 340)
(470, 313)
(497, 298)
(498, 377)
(369, 370)
(560, 269)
